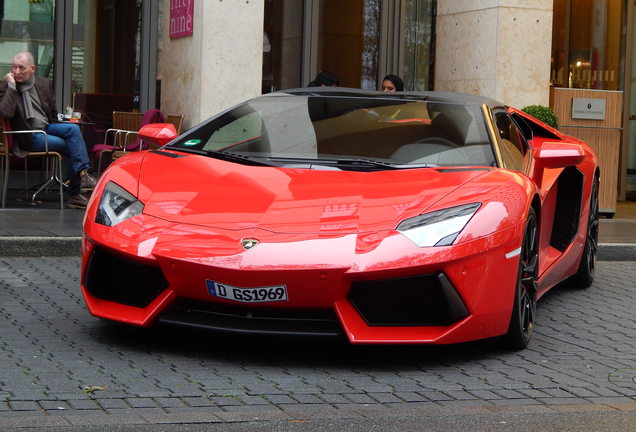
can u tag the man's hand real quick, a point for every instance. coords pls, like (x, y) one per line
(9, 78)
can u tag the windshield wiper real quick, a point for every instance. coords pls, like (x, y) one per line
(341, 163)
(236, 157)
(365, 162)
(186, 150)
(379, 164)
(224, 155)
(276, 161)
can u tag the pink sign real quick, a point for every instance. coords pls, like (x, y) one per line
(181, 18)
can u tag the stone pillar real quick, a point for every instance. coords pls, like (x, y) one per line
(218, 66)
(495, 48)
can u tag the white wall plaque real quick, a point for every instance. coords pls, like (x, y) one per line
(589, 109)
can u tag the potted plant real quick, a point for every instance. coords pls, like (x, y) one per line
(542, 113)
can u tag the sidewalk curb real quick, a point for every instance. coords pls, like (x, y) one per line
(35, 246)
(269, 418)
(616, 252)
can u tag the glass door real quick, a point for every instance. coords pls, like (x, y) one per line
(349, 41)
(631, 143)
(417, 55)
(282, 45)
(359, 41)
(105, 64)
(27, 26)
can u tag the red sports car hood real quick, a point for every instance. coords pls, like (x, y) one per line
(205, 191)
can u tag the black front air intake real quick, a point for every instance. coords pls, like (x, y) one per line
(254, 321)
(425, 300)
(114, 278)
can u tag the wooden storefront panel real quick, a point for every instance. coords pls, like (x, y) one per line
(605, 143)
(603, 135)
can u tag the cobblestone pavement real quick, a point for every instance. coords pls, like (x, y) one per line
(62, 366)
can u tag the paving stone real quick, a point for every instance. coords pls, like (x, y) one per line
(410, 397)
(170, 402)
(141, 403)
(435, 396)
(311, 411)
(366, 410)
(581, 392)
(111, 404)
(21, 405)
(84, 404)
(333, 398)
(563, 401)
(486, 394)
(465, 403)
(386, 398)
(198, 401)
(518, 402)
(253, 400)
(56, 351)
(532, 393)
(182, 417)
(360, 398)
(307, 399)
(611, 400)
(223, 401)
(512, 394)
(279, 399)
(54, 405)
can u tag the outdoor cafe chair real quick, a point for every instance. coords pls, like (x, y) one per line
(122, 137)
(52, 163)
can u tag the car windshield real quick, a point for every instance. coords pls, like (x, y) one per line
(345, 132)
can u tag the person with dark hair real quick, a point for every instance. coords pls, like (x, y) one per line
(392, 83)
(325, 79)
(28, 102)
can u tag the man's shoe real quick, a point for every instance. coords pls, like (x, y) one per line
(77, 201)
(88, 181)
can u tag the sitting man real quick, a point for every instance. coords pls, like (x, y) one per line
(29, 103)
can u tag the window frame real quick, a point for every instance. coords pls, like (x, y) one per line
(519, 162)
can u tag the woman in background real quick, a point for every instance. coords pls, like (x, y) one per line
(392, 83)
(325, 79)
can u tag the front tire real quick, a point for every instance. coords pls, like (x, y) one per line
(525, 300)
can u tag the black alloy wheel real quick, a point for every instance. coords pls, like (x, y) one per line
(584, 276)
(525, 301)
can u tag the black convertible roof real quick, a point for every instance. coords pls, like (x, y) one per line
(451, 97)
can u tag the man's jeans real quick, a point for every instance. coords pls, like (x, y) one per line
(66, 139)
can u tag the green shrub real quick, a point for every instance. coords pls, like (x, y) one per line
(542, 113)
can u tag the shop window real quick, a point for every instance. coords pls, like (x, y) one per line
(348, 41)
(27, 26)
(105, 72)
(282, 44)
(587, 43)
(418, 42)
(359, 41)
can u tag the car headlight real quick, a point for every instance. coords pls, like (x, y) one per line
(438, 228)
(116, 205)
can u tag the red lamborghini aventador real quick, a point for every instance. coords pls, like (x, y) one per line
(384, 217)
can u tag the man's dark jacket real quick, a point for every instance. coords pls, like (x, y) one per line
(12, 108)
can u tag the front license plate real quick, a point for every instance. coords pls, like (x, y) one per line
(247, 295)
